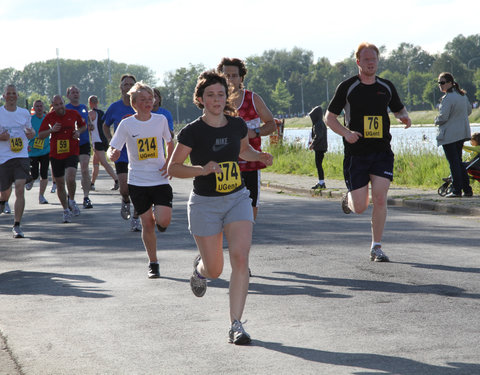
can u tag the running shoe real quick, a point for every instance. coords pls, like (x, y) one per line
(67, 216)
(92, 187)
(237, 334)
(377, 255)
(17, 232)
(197, 283)
(42, 200)
(54, 188)
(115, 186)
(153, 271)
(73, 207)
(6, 209)
(87, 203)
(319, 186)
(135, 225)
(125, 210)
(29, 185)
(345, 207)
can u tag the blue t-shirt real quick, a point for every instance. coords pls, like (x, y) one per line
(116, 113)
(167, 114)
(83, 110)
(34, 148)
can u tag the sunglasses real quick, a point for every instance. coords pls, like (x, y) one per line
(441, 82)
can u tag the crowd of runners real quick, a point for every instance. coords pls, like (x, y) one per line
(224, 150)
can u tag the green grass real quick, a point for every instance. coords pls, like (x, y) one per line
(423, 169)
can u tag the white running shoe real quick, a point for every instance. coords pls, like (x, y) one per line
(135, 225)
(73, 207)
(7, 209)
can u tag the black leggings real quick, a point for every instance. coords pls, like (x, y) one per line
(318, 162)
(44, 162)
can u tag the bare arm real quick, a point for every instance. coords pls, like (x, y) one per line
(248, 153)
(107, 132)
(177, 168)
(333, 123)
(266, 117)
(403, 117)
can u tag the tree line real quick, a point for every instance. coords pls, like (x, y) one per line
(290, 82)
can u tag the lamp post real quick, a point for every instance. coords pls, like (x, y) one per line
(58, 74)
(328, 97)
(471, 60)
(301, 92)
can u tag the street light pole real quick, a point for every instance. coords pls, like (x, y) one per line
(471, 60)
(58, 74)
(301, 88)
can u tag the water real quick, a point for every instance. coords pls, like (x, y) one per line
(411, 139)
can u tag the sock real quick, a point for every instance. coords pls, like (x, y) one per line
(16, 224)
(376, 244)
(198, 274)
(160, 228)
(321, 182)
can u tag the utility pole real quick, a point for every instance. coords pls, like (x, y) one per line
(58, 75)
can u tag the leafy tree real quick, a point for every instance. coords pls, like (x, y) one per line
(281, 97)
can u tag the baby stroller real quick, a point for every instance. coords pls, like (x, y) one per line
(473, 169)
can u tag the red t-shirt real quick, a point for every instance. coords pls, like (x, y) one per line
(62, 143)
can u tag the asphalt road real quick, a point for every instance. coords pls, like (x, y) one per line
(75, 298)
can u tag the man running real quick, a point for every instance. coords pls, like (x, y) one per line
(251, 108)
(366, 98)
(73, 95)
(15, 131)
(64, 126)
(116, 113)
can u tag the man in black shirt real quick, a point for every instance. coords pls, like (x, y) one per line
(365, 99)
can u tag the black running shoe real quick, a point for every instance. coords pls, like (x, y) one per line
(237, 334)
(153, 271)
(87, 203)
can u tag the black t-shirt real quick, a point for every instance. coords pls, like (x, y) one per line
(366, 111)
(221, 145)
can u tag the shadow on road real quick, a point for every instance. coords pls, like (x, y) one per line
(51, 284)
(388, 364)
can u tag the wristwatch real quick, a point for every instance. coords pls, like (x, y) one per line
(257, 132)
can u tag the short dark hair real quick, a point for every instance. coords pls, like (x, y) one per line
(128, 76)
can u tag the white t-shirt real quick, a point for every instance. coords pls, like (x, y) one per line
(95, 134)
(15, 123)
(144, 148)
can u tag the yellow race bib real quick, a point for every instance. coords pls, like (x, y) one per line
(230, 178)
(63, 146)
(147, 148)
(38, 143)
(16, 144)
(373, 126)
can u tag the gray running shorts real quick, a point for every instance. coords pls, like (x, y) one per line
(208, 215)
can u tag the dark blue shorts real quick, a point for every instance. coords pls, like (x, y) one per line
(358, 168)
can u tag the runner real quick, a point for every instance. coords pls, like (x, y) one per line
(73, 94)
(15, 131)
(64, 127)
(250, 107)
(147, 168)
(116, 113)
(100, 144)
(38, 151)
(366, 98)
(219, 202)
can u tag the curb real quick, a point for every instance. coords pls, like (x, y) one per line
(407, 201)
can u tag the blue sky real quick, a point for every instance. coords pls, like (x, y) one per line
(168, 34)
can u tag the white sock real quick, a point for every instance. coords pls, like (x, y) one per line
(376, 244)
(321, 182)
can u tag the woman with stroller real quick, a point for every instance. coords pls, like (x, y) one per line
(453, 130)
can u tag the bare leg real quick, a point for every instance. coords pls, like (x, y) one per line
(239, 237)
(61, 193)
(70, 176)
(19, 199)
(86, 181)
(380, 187)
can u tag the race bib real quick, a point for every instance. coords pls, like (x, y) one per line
(63, 146)
(230, 178)
(147, 148)
(38, 143)
(372, 126)
(16, 144)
